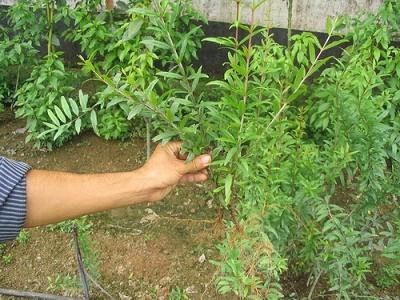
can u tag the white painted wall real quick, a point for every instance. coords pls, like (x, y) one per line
(308, 15)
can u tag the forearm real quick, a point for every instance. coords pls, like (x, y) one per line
(56, 196)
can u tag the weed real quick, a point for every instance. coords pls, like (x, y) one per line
(178, 294)
(7, 259)
(67, 284)
(23, 237)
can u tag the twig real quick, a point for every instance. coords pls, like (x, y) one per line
(314, 285)
(208, 284)
(31, 295)
(138, 231)
(99, 286)
(81, 268)
(148, 138)
(188, 220)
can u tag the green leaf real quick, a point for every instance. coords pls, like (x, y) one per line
(51, 125)
(336, 44)
(170, 75)
(142, 11)
(83, 100)
(60, 114)
(229, 155)
(228, 188)
(299, 77)
(151, 44)
(74, 106)
(93, 120)
(53, 117)
(115, 101)
(182, 51)
(132, 29)
(55, 41)
(135, 111)
(78, 124)
(151, 86)
(329, 25)
(165, 136)
(46, 132)
(59, 132)
(228, 42)
(66, 108)
(318, 65)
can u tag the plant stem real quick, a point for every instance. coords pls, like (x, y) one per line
(18, 76)
(237, 23)
(175, 52)
(314, 285)
(50, 16)
(148, 138)
(246, 80)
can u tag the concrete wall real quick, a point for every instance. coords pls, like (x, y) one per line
(308, 15)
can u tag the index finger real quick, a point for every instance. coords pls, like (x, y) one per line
(174, 147)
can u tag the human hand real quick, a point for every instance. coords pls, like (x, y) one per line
(167, 167)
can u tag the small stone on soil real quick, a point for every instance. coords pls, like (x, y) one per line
(20, 131)
(190, 290)
(152, 216)
(202, 258)
(123, 297)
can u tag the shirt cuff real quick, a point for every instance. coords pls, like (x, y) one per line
(12, 197)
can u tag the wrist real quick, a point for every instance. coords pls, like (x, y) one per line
(142, 184)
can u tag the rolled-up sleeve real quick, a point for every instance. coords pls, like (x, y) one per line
(12, 197)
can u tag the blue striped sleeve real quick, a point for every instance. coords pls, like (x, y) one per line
(12, 197)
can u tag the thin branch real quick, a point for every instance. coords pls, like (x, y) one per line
(314, 285)
(306, 76)
(130, 97)
(100, 287)
(175, 52)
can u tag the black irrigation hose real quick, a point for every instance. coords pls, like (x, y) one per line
(81, 268)
(31, 295)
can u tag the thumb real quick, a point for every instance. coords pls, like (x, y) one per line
(198, 164)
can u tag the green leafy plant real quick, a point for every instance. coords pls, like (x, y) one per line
(23, 237)
(42, 92)
(305, 147)
(67, 284)
(48, 86)
(178, 294)
(7, 259)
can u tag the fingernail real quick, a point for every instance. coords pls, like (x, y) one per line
(206, 159)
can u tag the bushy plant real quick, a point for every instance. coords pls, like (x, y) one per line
(305, 147)
(285, 144)
(49, 84)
